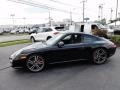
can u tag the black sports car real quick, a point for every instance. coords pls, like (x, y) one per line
(64, 47)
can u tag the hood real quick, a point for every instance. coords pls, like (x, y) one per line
(30, 48)
(33, 47)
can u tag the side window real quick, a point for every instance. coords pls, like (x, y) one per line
(77, 38)
(67, 39)
(88, 39)
(48, 29)
(82, 28)
(39, 30)
(94, 27)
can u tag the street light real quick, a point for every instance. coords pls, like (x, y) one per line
(116, 11)
(83, 9)
(12, 15)
(24, 20)
(111, 11)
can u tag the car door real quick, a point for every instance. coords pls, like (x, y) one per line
(46, 33)
(89, 43)
(38, 34)
(69, 51)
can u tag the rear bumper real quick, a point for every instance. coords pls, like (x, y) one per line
(111, 52)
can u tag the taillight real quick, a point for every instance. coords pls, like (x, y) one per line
(56, 33)
(112, 45)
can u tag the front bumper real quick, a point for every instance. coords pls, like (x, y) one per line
(18, 63)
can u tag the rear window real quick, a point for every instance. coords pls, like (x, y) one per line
(89, 39)
(60, 28)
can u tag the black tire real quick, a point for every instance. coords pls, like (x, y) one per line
(35, 63)
(99, 56)
(48, 37)
(32, 39)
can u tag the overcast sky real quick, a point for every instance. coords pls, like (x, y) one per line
(36, 15)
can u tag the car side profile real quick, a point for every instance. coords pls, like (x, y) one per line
(45, 33)
(64, 47)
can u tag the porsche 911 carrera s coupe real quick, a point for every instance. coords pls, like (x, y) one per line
(64, 47)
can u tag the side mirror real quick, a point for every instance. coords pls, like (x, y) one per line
(60, 44)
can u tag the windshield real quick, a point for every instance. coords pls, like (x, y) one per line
(54, 39)
(101, 26)
(60, 28)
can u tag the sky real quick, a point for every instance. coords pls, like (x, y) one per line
(25, 14)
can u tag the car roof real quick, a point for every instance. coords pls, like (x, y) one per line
(79, 33)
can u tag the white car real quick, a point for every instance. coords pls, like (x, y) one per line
(15, 31)
(1, 31)
(45, 33)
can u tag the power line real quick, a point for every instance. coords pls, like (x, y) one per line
(40, 5)
(64, 3)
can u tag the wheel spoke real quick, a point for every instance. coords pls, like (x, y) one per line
(32, 67)
(30, 62)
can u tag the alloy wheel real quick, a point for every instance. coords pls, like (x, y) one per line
(99, 56)
(35, 63)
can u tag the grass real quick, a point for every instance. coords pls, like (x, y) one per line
(9, 43)
(116, 39)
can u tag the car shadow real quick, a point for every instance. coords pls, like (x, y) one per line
(59, 67)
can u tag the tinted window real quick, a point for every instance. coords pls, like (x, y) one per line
(88, 39)
(82, 28)
(77, 38)
(47, 29)
(94, 27)
(68, 39)
(39, 30)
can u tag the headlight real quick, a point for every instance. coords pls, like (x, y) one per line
(15, 55)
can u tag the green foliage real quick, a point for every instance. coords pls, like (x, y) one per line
(99, 32)
(116, 39)
(9, 43)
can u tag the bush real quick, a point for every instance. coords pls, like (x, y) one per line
(100, 32)
(116, 39)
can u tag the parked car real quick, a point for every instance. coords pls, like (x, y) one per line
(1, 31)
(33, 30)
(45, 33)
(14, 31)
(21, 31)
(26, 30)
(65, 47)
(89, 28)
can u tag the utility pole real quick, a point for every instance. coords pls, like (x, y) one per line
(71, 17)
(119, 15)
(49, 18)
(24, 20)
(83, 2)
(12, 15)
(100, 16)
(116, 11)
(83, 9)
(111, 11)
(99, 13)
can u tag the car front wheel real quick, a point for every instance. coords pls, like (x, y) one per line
(99, 56)
(35, 63)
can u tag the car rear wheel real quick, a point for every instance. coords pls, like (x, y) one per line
(48, 37)
(35, 63)
(32, 39)
(99, 56)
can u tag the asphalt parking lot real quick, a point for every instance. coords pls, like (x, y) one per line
(68, 76)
